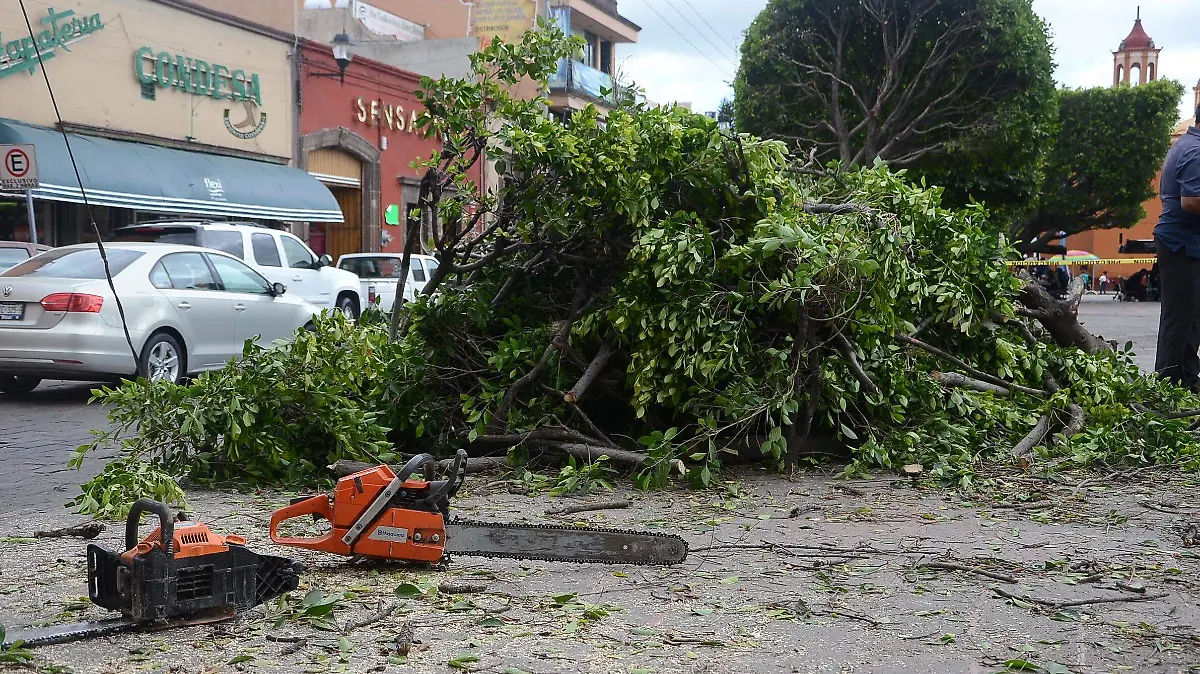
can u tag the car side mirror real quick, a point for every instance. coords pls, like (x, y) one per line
(324, 261)
(278, 289)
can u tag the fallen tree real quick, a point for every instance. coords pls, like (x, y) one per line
(648, 288)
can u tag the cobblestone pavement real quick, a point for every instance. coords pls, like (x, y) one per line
(38, 432)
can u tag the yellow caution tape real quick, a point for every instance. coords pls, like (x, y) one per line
(1081, 263)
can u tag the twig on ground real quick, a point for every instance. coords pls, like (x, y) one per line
(448, 587)
(1055, 604)
(951, 566)
(381, 614)
(86, 531)
(587, 507)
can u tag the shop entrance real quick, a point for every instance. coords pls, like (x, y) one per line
(342, 174)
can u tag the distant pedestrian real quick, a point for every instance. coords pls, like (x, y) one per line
(1103, 283)
(1177, 242)
(1086, 279)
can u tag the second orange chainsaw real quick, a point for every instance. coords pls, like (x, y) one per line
(402, 516)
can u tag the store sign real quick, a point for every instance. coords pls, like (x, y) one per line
(386, 24)
(202, 78)
(505, 19)
(375, 113)
(59, 31)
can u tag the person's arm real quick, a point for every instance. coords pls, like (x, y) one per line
(1189, 183)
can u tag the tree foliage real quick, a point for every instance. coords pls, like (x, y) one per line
(653, 290)
(1110, 146)
(957, 91)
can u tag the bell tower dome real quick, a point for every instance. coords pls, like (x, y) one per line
(1137, 52)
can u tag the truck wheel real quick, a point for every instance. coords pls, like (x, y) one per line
(348, 306)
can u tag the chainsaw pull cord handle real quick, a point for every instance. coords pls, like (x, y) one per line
(166, 524)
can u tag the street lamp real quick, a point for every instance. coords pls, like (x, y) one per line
(343, 53)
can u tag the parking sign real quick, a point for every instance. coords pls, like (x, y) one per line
(18, 170)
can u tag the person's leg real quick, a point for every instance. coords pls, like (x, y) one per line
(1179, 317)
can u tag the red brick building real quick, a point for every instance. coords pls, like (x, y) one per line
(357, 136)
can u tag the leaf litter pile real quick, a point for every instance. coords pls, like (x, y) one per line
(811, 574)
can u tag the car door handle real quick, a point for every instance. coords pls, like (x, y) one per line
(297, 278)
(185, 305)
(239, 307)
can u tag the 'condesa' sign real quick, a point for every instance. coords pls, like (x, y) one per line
(195, 76)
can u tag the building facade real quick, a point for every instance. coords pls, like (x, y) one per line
(169, 110)
(359, 137)
(1135, 62)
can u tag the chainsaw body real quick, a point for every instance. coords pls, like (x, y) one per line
(379, 513)
(183, 570)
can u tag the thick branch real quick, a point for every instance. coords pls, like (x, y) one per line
(978, 374)
(1025, 447)
(1060, 320)
(956, 380)
(589, 375)
(1075, 421)
(475, 464)
(845, 348)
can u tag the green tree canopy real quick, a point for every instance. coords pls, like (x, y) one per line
(957, 91)
(1111, 144)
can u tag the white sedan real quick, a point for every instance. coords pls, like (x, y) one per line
(188, 310)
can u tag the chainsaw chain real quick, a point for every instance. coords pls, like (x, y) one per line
(559, 527)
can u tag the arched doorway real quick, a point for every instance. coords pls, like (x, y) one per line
(348, 164)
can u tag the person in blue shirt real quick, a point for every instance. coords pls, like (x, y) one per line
(1177, 242)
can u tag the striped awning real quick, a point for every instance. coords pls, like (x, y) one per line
(164, 180)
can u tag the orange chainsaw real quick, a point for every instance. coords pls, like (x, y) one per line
(404, 517)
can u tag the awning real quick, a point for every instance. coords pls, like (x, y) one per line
(162, 180)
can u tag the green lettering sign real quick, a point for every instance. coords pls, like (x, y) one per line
(201, 78)
(59, 31)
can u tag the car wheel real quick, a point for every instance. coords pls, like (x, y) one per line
(348, 307)
(163, 359)
(18, 385)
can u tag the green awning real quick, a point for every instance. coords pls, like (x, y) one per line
(162, 180)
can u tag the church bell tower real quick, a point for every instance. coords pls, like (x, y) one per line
(1137, 52)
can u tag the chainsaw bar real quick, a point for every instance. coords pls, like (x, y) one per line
(61, 634)
(554, 543)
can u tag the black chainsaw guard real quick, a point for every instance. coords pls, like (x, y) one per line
(158, 587)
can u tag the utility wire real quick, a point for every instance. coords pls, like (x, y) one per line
(710, 27)
(78, 178)
(699, 32)
(685, 39)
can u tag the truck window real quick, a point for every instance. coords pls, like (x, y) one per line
(265, 252)
(229, 242)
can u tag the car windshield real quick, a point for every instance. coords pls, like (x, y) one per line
(78, 263)
(12, 256)
(156, 234)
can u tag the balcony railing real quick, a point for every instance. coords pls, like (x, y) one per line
(577, 78)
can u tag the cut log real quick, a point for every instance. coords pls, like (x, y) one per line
(475, 464)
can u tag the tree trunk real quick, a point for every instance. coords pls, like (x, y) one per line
(1059, 317)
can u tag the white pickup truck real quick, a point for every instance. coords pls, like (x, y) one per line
(379, 275)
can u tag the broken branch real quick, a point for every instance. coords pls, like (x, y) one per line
(1025, 447)
(588, 507)
(956, 380)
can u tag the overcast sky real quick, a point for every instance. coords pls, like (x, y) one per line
(688, 49)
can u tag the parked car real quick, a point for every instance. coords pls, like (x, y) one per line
(379, 275)
(279, 256)
(13, 253)
(188, 309)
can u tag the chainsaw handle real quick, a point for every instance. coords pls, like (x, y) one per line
(414, 464)
(449, 487)
(166, 524)
(315, 505)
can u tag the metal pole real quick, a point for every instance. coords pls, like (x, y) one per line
(32, 220)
